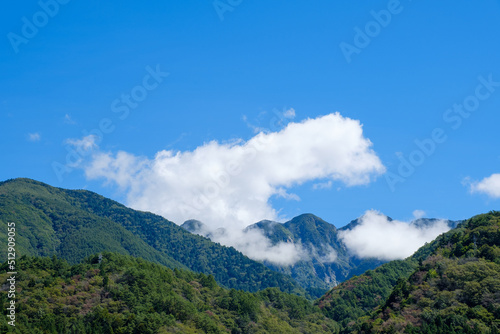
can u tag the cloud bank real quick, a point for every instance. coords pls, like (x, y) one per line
(489, 186)
(378, 237)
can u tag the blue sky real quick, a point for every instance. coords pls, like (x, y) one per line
(235, 67)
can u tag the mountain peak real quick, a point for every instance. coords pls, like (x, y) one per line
(193, 226)
(308, 219)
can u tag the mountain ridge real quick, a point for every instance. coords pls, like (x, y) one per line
(326, 261)
(76, 223)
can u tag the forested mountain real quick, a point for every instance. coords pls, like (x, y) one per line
(326, 261)
(451, 285)
(122, 294)
(155, 277)
(73, 224)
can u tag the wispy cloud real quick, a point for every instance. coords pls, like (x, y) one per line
(34, 137)
(378, 237)
(85, 143)
(254, 244)
(417, 214)
(68, 119)
(323, 185)
(289, 113)
(489, 185)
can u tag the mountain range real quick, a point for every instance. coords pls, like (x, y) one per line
(74, 224)
(326, 259)
(88, 264)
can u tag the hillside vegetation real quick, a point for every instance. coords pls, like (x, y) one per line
(451, 285)
(74, 224)
(122, 294)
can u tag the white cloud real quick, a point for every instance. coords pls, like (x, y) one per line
(68, 119)
(230, 184)
(81, 148)
(289, 113)
(256, 246)
(270, 121)
(417, 214)
(377, 237)
(489, 186)
(34, 137)
(86, 143)
(323, 185)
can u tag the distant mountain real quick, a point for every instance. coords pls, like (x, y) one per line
(74, 224)
(326, 260)
(424, 222)
(420, 222)
(121, 294)
(450, 285)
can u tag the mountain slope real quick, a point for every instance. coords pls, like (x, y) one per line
(122, 294)
(456, 289)
(327, 261)
(359, 295)
(48, 223)
(76, 223)
(433, 291)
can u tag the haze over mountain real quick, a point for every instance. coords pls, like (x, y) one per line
(317, 254)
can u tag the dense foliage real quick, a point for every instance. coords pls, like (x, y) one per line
(361, 294)
(122, 294)
(450, 285)
(455, 289)
(76, 223)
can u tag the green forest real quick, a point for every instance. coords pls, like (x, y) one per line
(74, 224)
(123, 294)
(451, 285)
(88, 264)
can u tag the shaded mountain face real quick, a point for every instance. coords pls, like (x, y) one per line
(424, 222)
(73, 224)
(326, 261)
